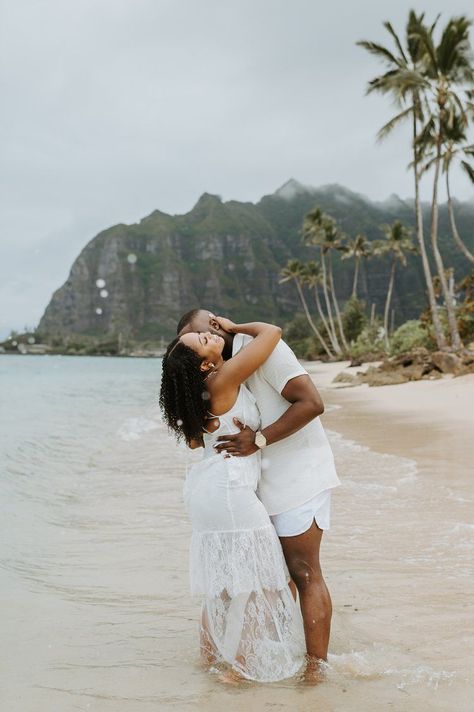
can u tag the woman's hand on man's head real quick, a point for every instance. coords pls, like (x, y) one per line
(225, 323)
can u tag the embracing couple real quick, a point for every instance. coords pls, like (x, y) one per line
(258, 500)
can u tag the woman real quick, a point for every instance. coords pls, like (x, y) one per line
(249, 618)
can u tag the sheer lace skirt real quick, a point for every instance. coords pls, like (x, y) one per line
(259, 634)
(249, 618)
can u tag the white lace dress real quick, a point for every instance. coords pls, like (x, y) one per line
(249, 618)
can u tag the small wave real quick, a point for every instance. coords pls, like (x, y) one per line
(423, 674)
(402, 470)
(330, 407)
(460, 537)
(344, 443)
(369, 486)
(378, 662)
(135, 428)
(462, 527)
(456, 497)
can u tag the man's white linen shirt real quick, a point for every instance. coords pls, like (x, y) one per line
(300, 466)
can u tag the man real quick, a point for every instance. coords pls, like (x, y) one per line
(298, 471)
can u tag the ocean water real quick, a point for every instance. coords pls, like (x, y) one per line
(96, 613)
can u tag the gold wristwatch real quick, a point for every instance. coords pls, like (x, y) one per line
(260, 439)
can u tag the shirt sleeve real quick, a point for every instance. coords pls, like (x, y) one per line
(281, 366)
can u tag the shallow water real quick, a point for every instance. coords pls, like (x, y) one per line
(93, 554)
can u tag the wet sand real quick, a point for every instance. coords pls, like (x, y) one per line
(417, 596)
(429, 421)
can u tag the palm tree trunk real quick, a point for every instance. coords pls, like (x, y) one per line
(454, 228)
(310, 320)
(333, 335)
(336, 304)
(438, 329)
(453, 327)
(321, 313)
(356, 277)
(388, 302)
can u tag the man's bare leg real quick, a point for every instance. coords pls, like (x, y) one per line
(302, 558)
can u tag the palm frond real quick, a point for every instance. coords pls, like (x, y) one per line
(433, 26)
(448, 47)
(379, 51)
(413, 42)
(393, 123)
(454, 49)
(468, 169)
(390, 29)
(420, 31)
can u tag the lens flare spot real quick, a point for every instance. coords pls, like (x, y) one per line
(98, 311)
(179, 422)
(100, 283)
(31, 339)
(104, 293)
(131, 258)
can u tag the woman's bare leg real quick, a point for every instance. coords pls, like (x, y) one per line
(208, 653)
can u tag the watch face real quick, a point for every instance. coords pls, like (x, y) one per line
(260, 440)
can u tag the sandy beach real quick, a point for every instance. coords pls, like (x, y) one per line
(430, 421)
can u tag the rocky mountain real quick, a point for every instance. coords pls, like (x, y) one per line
(138, 279)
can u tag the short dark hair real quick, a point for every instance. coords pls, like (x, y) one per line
(186, 319)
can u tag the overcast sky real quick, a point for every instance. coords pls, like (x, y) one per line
(112, 108)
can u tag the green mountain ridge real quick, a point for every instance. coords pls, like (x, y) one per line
(227, 256)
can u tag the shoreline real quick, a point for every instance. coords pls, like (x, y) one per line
(430, 422)
(399, 556)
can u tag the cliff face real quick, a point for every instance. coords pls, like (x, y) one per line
(139, 279)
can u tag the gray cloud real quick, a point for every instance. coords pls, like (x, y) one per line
(112, 108)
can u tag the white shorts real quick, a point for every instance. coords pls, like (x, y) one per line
(298, 520)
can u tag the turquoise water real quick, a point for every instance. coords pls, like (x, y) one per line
(93, 559)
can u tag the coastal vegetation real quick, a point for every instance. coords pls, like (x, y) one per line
(430, 75)
(430, 78)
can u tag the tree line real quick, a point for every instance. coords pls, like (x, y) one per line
(430, 78)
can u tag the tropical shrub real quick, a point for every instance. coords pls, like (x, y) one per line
(465, 311)
(410, 335)
(369, 345)
(353, 318)
(298, 336)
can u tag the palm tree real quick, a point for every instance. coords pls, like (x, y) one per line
(294, 271)
(358, 248)
(405, 83)
(397, 243)
(447, 65)
(312, 232)
(455, 145)
(314, 278)
(321, 230)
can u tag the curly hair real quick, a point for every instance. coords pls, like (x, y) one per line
(183, 395)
